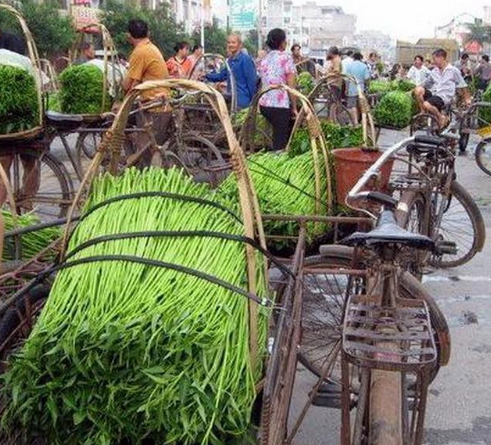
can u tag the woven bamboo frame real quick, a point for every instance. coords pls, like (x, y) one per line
(112, 144)
(34, 56)
(48, 69)
(317, 142)
(109, 54)
(367, 122)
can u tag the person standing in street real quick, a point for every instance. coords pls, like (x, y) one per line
(87, 53)
(180, 65)
(418, 73)
(372, 62)
(336, 85)
(243, 70)
(360, 72)
(297, 54)
(277, 106)
(347, 60)
(483, 72)
(147, 63)
(197, 62)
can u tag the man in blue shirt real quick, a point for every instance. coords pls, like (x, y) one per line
(361, 73)
(243, 69)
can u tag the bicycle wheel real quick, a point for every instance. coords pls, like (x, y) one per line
(461, 223)
(483, 156)
(198, 154)
(87, 143)
(323, 306)
(49, 194)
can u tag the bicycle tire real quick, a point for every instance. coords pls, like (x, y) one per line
(469, 247)
(53, 173)
(480, 155)
(87, 143)
(320, 334)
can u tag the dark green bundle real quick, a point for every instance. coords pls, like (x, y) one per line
(82, 89)
(124, 350)
(395, 110)
(33, 242)
(19, 103)
(305, 83)
(485, 112)
(337, 136)
(262, 129)
(284, 185)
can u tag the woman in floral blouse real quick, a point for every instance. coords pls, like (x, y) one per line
(277, 106)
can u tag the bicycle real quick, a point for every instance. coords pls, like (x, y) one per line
(433, 202)
(371, 333)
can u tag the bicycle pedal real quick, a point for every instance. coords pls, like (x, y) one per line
(446, 248)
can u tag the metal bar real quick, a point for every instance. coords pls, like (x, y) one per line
(318, 218)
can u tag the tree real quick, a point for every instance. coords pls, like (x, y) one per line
(52, 33)
(479, 33)
(251, 41)
(164, 30)
(215, 38)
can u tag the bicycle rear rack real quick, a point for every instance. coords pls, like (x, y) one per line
(391, 339)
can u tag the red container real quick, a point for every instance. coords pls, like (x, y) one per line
(351, 163)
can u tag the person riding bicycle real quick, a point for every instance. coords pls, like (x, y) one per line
(439, 90)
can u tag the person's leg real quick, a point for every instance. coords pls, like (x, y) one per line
(421, 94)
(434, 105)
(352, 105)
(280, 120)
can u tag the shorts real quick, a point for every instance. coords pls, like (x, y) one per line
(352, 102)
(436, 101)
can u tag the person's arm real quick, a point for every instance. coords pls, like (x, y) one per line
(250, 74)
(135, 72)
(221, 76)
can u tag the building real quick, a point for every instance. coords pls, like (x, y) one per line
(371, 40)
(315, 27)
(405, 51)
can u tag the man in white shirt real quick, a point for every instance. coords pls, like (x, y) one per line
(418, 73)
(440, 88)
(347, 60)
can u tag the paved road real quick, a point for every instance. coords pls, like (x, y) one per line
(459, 411)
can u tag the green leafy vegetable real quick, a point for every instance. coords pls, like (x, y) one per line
(33, 242)
(131, 351)
(82, 88)
(336, 136)
(395, 109)
(305, 83)
(19, 103)
(284, 185)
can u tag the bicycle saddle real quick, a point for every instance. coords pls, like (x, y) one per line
(388, 232)
(60, 117)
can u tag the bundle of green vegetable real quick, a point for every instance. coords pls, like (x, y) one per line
(284, 185)
(337, 136)
(385, 86)
(305, 83)
(262, 134)
(82, 89)
(395, 109)
(125, 350)
(33, 242)
(485, 112)
(19, 103)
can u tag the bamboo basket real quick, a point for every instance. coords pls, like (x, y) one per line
(112, 144)
(367, 122)
(110, 58)
(317, 141)
(32, 133)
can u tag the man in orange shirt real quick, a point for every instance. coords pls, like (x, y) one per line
(147, 63)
